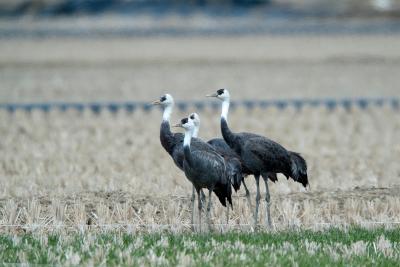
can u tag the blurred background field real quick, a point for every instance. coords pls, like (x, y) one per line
(79, 168)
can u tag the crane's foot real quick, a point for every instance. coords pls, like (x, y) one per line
(268, 221)
(192, 218)
(199, 226)
(209, 222)
(227, 216)
(258, 197)
(249, 202)
(255, 221)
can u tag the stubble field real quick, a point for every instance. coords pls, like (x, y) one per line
(71, 172)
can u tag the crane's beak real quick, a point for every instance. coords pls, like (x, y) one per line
(177, 125)
(212, 95)
(157, 102)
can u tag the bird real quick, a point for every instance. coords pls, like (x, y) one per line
(235, 169)
(261, 156)
(205, 169)
(173, 144)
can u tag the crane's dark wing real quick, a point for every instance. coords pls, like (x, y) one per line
(211, 164)
(223, 148)
(236, 170)
(246, 135)
(219, 144)
(177, 148)
(269, 155)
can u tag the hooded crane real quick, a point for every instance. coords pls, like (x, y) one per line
(173, 144)
(234, 164)
(238, 170)
(205, 169)
(261, 156)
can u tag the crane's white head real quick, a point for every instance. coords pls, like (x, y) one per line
(221, 94)
(186, 124)
(196, 120)
(167, 102)
(224, 96)
(189, 127)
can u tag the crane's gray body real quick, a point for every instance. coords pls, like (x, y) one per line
(173, 144)
(204, 169)
(262, 156)
(236, 170)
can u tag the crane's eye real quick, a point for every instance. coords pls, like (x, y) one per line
(220, 91)
(184, 121)
(192, 117)
(163, 98)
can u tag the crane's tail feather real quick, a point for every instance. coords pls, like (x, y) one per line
(224, 192)
(236, 178)
(234, 172)
(221, 197)
(299, 168)
(273, 177)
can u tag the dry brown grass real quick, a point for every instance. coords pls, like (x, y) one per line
(72, 169)
(122, 210)
(67, 152)
(67, 168)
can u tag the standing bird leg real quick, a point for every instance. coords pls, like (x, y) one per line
(258, 197)
(247, 195)
(209, 210)
(268, 202)
(227, 216)
(203, 196)
(192, 202)
(199, 208)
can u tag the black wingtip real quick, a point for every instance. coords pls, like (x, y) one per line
(223, 201)
(224, 192)
(299, 168)
(230, 201)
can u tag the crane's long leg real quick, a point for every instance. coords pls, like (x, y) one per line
(258, 197)
(247, 195)
(209, 210)
(268, 202)
(227, 216)
(192, 200)
(199, 208)
(203, 196)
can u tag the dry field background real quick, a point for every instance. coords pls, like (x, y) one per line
(253, 67)
(73, 169)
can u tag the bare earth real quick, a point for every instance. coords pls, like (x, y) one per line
(369, 207)
(70, 169)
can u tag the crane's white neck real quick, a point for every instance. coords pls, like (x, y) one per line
(225, 109)
(196, 131)
(188, 137)
(167, 112)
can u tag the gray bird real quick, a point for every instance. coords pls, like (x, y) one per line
(261, 156)
(236, 171)
(205, 169)
(173, 144)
